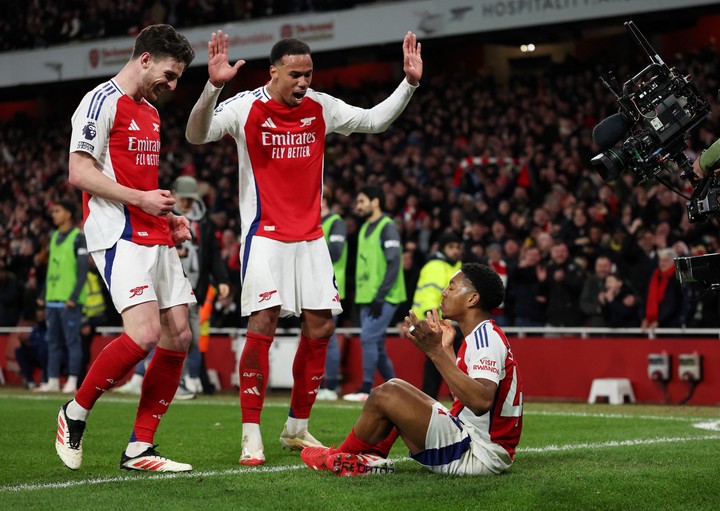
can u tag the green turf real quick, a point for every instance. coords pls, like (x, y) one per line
(572, 456)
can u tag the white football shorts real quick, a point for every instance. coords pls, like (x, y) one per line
(295, 275)
(137, 273)
(449, 448)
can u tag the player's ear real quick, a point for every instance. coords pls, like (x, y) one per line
(473, 299)
(145, 60)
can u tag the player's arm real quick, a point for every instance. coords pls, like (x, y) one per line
(85, 175)
(377, 119)
(477, 394)
(220, 71)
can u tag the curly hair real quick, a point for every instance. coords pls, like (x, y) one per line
(487, 283)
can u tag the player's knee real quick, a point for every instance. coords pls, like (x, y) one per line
(146, 339)
(184, 338)
(323, 330)
(385, 394)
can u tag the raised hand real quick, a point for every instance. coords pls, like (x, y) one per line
(448, 331)
(412, 61)
(426, 334)
(219, 67)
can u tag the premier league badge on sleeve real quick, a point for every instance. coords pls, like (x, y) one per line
(89, 131)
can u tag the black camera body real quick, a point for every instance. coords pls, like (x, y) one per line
(658, 107)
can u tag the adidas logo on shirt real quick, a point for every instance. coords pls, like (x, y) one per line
(133, 126)
(268, 123)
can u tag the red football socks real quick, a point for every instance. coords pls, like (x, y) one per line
(159, 386)
(112, 364)
(254, 371)
(353, 445)
(308, 370)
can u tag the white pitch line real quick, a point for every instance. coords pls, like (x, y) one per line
(284, 468)
(603, 415)
(126, 479)
(616, 443)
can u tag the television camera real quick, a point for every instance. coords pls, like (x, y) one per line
(658, 107)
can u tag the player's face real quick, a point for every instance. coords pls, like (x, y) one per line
(456, 296)
(291, 79)
(159, 75)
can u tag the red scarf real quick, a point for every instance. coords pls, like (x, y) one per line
(656, 292)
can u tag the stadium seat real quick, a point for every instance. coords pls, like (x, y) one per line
(616, 390)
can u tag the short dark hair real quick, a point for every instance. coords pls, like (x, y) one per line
(68, 206)
(374, 192)
(487, 283)
(287, 46)
(163, 41)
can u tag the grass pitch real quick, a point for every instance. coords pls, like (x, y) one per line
(571, 456)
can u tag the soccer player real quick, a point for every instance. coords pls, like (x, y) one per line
(479, 433)
(131, 234)
(280, 129)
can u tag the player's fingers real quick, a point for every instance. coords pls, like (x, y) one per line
(435, 315)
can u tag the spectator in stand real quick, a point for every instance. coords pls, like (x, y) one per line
(11, 292)
(524, 289)
(593, 287)
(562, 287)
(575, 231)
(495, 261)
(638, 259)
(665, 305)
(619, 304)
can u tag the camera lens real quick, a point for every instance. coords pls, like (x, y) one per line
(609, 164)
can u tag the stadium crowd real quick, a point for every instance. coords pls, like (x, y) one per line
(502, 166)
(43, 23)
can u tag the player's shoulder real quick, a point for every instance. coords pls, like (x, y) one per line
(100, 97)
(487, 334)
(243, 98)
